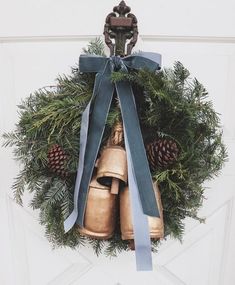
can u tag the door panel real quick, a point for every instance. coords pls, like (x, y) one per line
(42, 42)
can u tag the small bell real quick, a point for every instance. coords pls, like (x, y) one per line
(100, 214)
(112, 164)
(156, 225)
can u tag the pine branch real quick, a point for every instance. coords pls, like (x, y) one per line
(95, 47)
(67, 204)
(10, 139)
(39, 196)
(97, 245)
(18, 187)
(115, 246)
(56, 193)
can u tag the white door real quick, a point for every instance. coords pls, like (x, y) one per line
(40, 39)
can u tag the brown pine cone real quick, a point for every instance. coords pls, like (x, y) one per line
(56, 160)
(161, 152)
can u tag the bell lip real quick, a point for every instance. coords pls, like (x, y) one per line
(109, 175)
(153, 235)
(115, 147)
(88, 233)
(95, 184)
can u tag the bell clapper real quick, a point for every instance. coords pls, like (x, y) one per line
(115, 186)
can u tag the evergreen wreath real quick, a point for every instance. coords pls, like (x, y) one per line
(170, 106)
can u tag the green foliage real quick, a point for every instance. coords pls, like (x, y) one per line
(95, 47)
(169, 104)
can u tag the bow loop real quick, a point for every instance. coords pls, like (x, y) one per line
(92, 63)
(141, 60)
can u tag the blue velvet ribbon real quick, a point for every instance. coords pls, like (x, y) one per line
(143, 202)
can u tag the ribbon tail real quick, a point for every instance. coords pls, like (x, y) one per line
(140, 163)
(71, 220)
(97, 123)
(140, 221)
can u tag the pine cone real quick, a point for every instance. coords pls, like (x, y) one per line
(161, 153)
(56, 160)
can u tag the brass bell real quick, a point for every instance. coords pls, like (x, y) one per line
(112, 168)
(100, 213)
(112, 164)
(156, 225)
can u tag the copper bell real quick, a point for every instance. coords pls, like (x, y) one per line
(100, 214)
(156, 225)
(112, 164)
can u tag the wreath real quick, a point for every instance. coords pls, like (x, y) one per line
(180, 129)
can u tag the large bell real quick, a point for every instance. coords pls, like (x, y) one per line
(100, 213)
(156, 225)
(112, 164)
